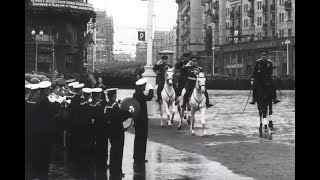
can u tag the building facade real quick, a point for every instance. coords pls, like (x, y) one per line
(170, 43)
(141, 52)
(60, 45)
(236, 31)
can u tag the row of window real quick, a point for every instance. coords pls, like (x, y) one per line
(246, 7)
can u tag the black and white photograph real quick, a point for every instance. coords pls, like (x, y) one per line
(159, 90)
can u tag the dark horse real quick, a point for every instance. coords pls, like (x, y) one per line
(264, 103)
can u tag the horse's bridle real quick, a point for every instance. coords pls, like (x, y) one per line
(166, 90)
(198, 90)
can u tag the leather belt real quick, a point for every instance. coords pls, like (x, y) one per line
(191, 78)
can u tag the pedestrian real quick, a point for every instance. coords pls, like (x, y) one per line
(160, 67)
(102, 133)
(115, 117)
(141, 123)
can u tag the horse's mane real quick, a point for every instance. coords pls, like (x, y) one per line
(201, 75)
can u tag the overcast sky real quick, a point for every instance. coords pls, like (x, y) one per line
(130, 15)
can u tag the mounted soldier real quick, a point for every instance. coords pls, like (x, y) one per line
(161, 67)
(193, 70)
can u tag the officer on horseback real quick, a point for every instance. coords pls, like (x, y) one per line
(161, 67)
(183, 73)
(262, 75)
(193, 70)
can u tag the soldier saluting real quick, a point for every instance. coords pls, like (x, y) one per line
(262, 78)
(161, 67)
(141, 123)
(183, 73)
(193, 70)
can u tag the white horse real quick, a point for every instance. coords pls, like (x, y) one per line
(197, 102)
(168, 96)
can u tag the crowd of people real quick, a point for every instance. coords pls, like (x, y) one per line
(81, 118)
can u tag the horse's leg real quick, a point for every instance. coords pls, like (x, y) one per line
(264, 114)
(173, 111)
(160, 109)
(260, 117)
(188, 114)
(192, 122)
(181, 112)
(168, 113)
(270, 117)
(203, 122)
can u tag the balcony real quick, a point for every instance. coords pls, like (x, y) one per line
(231, 15)
(265, 25)
(287, 5)
(208, 12)
(231, 30)
(251, 1)
(272, 24)
(215, 18)
(215, 5)
(264, 9)
(238, 14)
(272, 8)
(250, 12)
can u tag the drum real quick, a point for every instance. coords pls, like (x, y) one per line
(127, 102)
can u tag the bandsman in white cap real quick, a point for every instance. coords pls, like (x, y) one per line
(86, 136)
(102, 133)
(42, 129)
(115, 118)
(72, 127)
(141, 123)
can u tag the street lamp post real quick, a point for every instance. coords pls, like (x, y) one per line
(213, 48)
(149, 73)
(287, 42)
(33, 33)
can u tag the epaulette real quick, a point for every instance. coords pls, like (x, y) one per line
(269, 60)
(259, 59)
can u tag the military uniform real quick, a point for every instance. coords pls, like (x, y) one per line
(73, 132)
(183, 74)
(115, 117)
(41, 121)
(141, 123)
(192, 72)
(161, 69)
(262, 79)
(102, 133)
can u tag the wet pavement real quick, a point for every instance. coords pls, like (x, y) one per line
(164, 162)
(226, 117)
(233, 137)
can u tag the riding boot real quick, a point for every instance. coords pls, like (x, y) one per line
(184, 103)
(270, 123)
(207, 100)
(253, 98)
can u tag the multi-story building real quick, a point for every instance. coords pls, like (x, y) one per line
(141, 52)
(110, 42)
(190, 29)
(236, 31)
(170, 43)
(58, 39)
(103, 38)
(158, 44)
